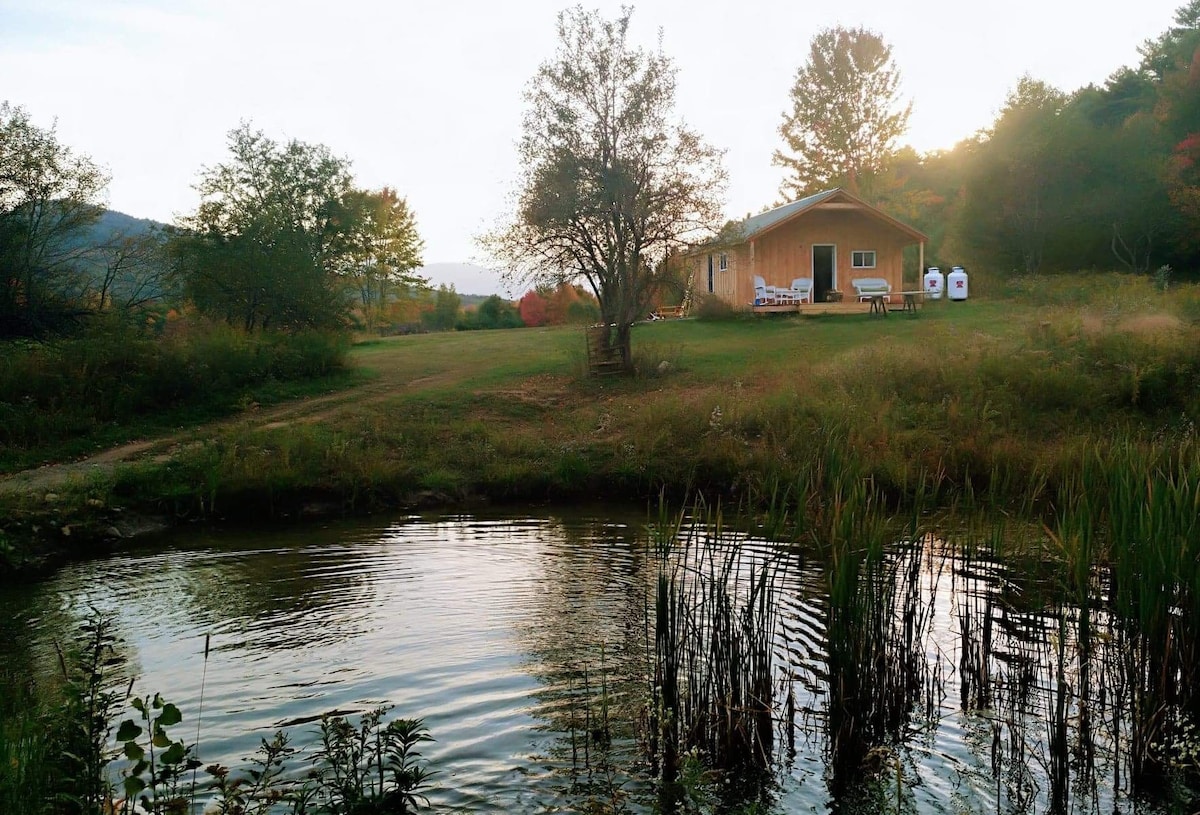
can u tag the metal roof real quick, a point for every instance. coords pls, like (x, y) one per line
(737, 233)
(766, 220)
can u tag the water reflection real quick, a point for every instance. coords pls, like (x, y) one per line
(527, 646)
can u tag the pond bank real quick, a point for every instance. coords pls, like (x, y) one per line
(995, 405)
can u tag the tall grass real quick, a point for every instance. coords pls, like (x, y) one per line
(876, 623)
(116, 372)
(1142, 501)
(997, 400)
(28, 770)
(54, 732)
(1120, 643)
(715, 620)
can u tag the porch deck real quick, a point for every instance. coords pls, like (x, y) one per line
(851, 306)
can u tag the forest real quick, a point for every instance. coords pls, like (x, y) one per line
(1100, 178)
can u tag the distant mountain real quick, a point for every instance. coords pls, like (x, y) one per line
(110, 225)
(467, 278)
(118, 223)
(474, 283)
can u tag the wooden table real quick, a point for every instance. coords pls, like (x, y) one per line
(878, 304)
(911, 300)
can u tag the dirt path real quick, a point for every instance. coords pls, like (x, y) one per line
(51, 477)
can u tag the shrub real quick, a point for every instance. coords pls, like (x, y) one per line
(711, 307)
(583, 312)
(116, 371)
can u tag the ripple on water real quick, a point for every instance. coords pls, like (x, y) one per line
(503, 634)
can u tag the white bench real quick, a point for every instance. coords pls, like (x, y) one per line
(867, 287)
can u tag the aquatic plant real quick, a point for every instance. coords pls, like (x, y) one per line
(876, 622)
(1150, 519)
(358, 768)
(28, 760)
(54, 732)
(261, 788)
(153, 781)
(715, 622)
(370, 767)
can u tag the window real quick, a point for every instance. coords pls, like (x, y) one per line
(862, 260)
(711, 288)
(724, 263)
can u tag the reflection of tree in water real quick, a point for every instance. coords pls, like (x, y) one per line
(41, 625)
(587, 636)
(305, 589)
(1043, 695)
(597, 657)
(308, 587)
(1038, 689)
(23, 607)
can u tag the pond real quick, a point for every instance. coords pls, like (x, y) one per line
(520, 638)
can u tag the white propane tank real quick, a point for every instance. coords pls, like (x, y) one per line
(934, 283)
(957, 281)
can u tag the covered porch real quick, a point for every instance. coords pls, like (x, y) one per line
(908, 301)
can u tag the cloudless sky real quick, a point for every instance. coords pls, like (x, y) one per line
(426, 95)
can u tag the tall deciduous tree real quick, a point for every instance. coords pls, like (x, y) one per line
(446, 307)
(261, 249)
(1179, 116)
(378, 248)
(845, 115)
(612, 182)
(49, 196)
(133, 271)
(1014, 200)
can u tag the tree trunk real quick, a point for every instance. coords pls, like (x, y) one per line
(624, 343)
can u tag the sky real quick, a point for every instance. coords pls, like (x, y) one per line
(425, 96)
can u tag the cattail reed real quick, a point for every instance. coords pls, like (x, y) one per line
(876, 626)
(715, 628)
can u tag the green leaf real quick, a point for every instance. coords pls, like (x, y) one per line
(128, 731)
(133, 785)
(175, 754)
(133, 751)
(139, 704)
(161, 739)
(170, 715)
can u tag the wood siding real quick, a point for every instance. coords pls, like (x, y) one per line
(778, 255)
(725, 283)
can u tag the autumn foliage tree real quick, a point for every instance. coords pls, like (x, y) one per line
(377, 250)
(611, 182)
(559, 303)
(1179, 114)
(532, 308)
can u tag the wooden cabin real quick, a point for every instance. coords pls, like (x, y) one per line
(832, 237)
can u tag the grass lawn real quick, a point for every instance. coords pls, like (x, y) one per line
(995, 399)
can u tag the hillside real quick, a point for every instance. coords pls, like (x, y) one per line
(473, 283)
(118, 223)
